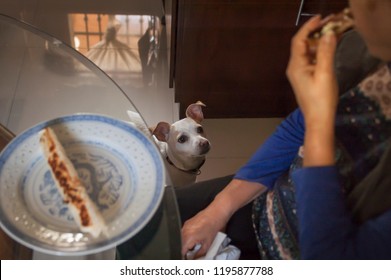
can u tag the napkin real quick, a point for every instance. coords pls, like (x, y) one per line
(219, 250)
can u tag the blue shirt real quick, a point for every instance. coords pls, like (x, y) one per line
(326, 229)
(276, 154)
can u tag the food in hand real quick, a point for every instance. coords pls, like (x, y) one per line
(73, 192)
(336, 23)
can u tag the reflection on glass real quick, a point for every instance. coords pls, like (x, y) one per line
(124, 46)
(43, 78)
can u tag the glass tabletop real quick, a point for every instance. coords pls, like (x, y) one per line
(46, 78)
(43, 78)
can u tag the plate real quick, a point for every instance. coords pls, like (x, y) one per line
(121, 168)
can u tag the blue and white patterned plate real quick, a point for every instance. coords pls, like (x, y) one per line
(121, 168)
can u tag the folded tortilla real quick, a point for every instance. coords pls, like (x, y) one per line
(73, 192)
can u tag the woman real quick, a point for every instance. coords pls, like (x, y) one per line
(357, 226)
(343, 177)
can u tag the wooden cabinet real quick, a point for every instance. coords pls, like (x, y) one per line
(232, 54)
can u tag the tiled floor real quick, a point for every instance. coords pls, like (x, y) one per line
(233, 140)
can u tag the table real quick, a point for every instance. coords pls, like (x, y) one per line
(9, 248)
(43, 78)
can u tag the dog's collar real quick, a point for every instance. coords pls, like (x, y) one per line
(195, 171)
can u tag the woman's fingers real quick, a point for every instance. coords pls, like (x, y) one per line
(196, 231)
(192, 243)
(299, 60)
(299, 40)
(309, 26)
(314, 85)
(188, 241)
(325, 54)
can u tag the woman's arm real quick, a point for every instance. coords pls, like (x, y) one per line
(326, 227)
(259, 173)
(316, 92)
(276, 154)
(203, 227)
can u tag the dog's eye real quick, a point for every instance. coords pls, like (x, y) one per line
(182, 139)
(200, 130)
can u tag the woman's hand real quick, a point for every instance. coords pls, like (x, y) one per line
(316, 92)
(314, 85)
(201, 229)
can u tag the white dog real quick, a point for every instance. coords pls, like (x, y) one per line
(182, 144)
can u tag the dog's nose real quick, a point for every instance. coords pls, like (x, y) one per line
(204, 146)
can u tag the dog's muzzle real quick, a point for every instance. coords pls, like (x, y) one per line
(204, 147)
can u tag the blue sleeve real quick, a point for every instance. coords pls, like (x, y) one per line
(276, 154)
(326, 229)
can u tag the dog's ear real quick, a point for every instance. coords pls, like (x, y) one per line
(161, 131)
(151, 129)
(194, 111)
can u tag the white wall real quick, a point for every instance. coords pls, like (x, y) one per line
(233, 142)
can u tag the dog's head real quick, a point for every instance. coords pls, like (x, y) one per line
(186, 140)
